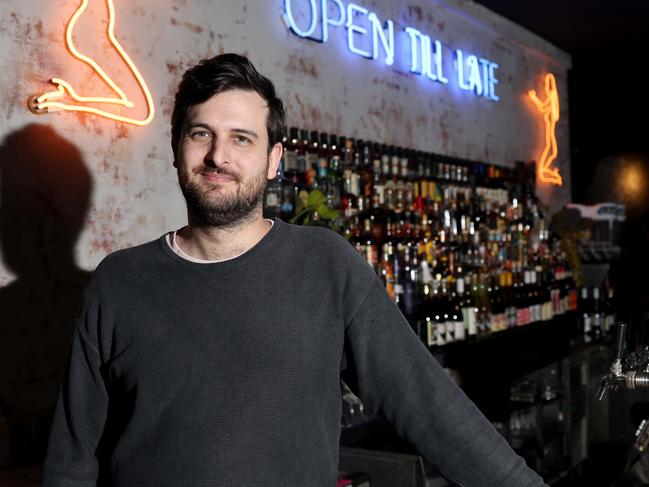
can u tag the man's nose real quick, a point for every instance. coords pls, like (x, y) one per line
(217, 155)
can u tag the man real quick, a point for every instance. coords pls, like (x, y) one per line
(212, 356)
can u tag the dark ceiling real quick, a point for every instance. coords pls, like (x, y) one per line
(609, 80)
(581, 27)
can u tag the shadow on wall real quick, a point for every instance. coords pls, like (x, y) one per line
(45, 189)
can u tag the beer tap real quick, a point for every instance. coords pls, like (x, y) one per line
(615, 376)
(636, 364)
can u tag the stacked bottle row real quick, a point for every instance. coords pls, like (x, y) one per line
(596, 309)
(462, 248)
(356, 175)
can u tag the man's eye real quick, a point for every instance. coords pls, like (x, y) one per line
(241, 139)
(201, 134)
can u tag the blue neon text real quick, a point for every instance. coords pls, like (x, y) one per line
(371, 38)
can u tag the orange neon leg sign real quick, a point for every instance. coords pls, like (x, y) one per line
(550, 111)
(50, 101)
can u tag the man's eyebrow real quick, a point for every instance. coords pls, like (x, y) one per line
(201, 125)
(252, 133)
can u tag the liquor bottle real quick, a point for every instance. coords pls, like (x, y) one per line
(356, 186)
(288, 168)
(457, 316)
(323, 163)
(273, 195)
(287, 199)
(437, 323)
(498, 317)
(483, 305)
(334, 171)
(469, 309)
(396, 256)
(348, 199)
(425, 323)
(290, 153)
(312, 156)
(370, 245)
(395, 161)
(385, 162)
(298, 177)
(302, 148)
(366, 176)
(404, 164)
(411, 299)
(386, 270)
(446, 311)
(378, 181)
(546, 285)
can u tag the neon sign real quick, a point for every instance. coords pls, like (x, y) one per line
(422, 56)
(50, 101)
(549, 109)
(472, 74)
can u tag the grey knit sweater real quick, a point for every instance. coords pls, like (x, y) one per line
(184, 374)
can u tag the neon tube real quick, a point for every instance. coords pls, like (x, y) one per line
(549, 109)
(47, 101)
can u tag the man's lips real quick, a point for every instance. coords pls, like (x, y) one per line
(217, 177)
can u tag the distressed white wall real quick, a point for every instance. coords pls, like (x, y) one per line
(325, 87)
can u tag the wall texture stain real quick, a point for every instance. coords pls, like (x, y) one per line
(196, 29)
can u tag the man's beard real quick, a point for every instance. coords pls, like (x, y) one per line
(213, 205)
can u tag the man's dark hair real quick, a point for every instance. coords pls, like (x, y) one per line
(222, 73)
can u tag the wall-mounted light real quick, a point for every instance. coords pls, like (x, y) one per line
(632, 187)
(52, 101)
(549, 109)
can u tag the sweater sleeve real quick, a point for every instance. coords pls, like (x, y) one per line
(398, 376)
(81, 410)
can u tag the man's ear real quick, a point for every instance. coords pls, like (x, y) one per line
(274, 158)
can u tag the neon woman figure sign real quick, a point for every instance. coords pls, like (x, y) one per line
(550, 111)
(54, 100)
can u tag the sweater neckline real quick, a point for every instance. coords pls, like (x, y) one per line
(228, 263)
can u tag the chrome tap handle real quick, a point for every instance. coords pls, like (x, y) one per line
(602, 388)
(620, 332)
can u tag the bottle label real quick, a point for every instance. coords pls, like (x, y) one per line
(355, 186)
(301, 163)
(440, 333)
(404, 167)
(372, 254)
(311, 161)
(468, 317)
(273, 200)
(290, 161)
(587, 323)
(430, 333)
(379, 190)
(394, 163)
(322, 167)
(450, 329)
(459, 330)
(385, 165)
